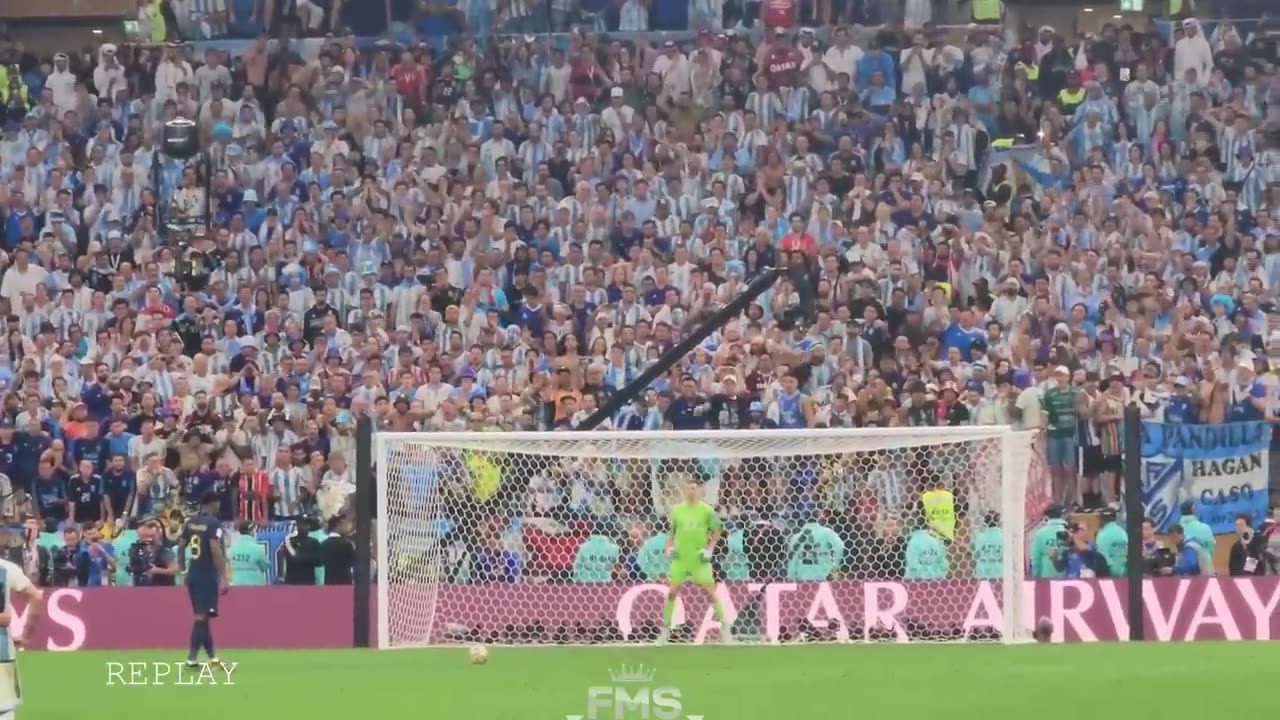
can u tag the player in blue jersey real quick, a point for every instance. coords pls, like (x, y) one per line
(207, 578)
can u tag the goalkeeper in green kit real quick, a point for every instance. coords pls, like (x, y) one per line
(695, 532)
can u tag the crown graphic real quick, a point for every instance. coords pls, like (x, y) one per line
(637, 674)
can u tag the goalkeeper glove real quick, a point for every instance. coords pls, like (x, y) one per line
(706, 554)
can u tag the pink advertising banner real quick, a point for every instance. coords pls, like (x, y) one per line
(1089, 611)
(278, 616)
(320, 617)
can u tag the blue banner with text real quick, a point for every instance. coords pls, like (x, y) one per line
(1222, 468)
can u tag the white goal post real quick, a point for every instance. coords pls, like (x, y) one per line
(542, 538)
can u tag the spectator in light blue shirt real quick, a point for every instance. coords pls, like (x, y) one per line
(1193, 559)
(641, 204)
(729, 147)
(876, 60)
(1096, 101)
(879, 95)
(117, 440)
(983, 97)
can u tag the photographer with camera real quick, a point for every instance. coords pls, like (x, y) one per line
(1155, 556)
(151, 560)
(1043, 541)
(1249, 550)
(1075, 556)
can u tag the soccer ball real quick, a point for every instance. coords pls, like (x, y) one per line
(478, 654)
(1044, 630)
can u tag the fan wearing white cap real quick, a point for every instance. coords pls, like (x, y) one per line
(1010, 304)
(617, 117)
(1180, 406)
(1247, 401)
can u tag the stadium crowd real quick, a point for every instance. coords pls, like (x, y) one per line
(985, 225)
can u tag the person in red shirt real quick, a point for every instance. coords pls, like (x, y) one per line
(778, 13)
(781, 60)
(798, 238)
(585, 76)
(410, 80)
(253, 490)
(155, 304)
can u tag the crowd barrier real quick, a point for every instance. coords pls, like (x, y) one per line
(288, 617)
(309, 48)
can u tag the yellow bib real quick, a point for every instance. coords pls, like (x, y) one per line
(485, 477)
(158, 30)
(940, 512)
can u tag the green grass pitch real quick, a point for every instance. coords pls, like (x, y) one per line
(871, 682)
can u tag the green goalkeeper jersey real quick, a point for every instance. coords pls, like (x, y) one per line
(692, 524)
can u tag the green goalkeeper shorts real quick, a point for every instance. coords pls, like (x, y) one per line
(697, 571)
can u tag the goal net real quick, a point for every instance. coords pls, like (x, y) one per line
(893, 534)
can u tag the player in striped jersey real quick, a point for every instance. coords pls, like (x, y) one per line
(14, 580)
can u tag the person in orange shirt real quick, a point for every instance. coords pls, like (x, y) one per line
(74, 428)
(562, 387)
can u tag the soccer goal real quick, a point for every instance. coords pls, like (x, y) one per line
(530, 538)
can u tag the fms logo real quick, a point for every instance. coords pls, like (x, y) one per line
(633, 696)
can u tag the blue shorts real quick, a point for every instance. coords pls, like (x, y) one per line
(1062, 451)
(204, 596)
